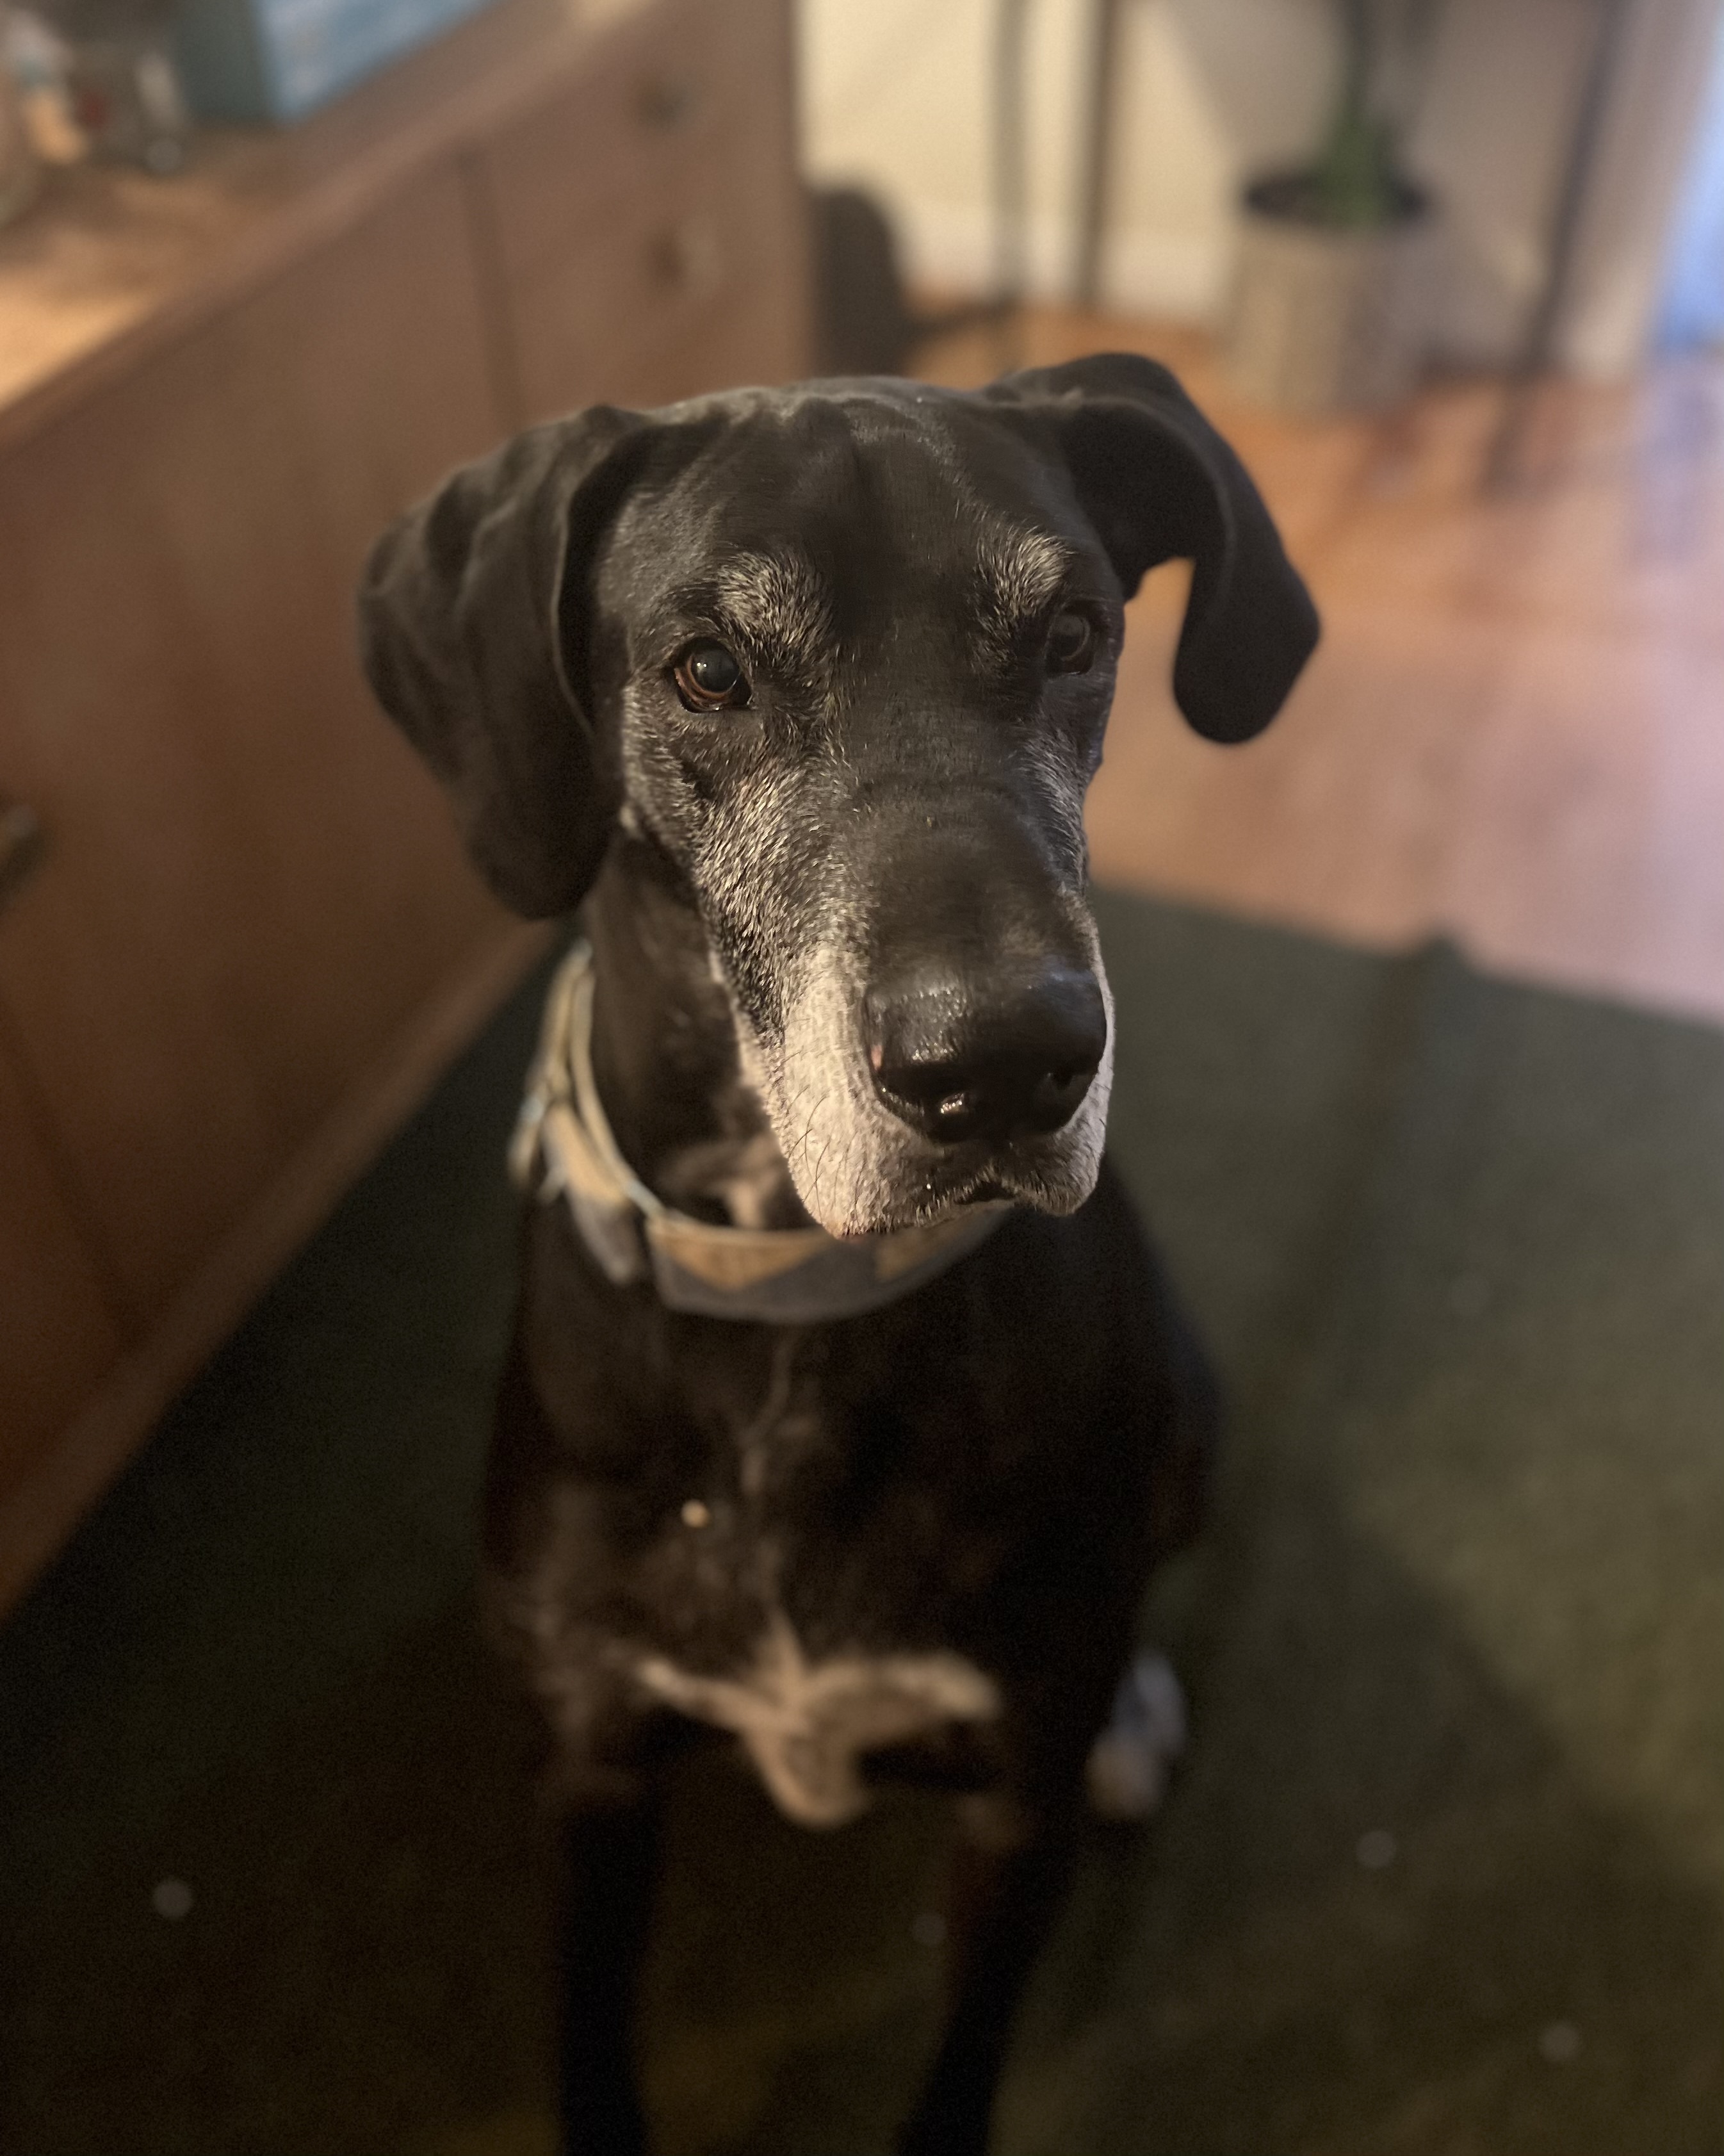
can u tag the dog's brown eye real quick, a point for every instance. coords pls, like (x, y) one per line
(1071, 643)
(708, 677)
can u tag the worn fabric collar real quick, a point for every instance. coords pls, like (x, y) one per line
(563, 1143)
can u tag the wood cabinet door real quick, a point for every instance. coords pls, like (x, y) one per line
(58, 1336)
(251, 885)
(648, 219)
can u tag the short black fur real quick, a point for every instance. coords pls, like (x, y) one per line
(863, 878)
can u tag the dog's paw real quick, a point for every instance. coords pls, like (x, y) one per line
(1130, 1762)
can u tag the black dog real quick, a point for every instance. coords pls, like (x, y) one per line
(847, 1410)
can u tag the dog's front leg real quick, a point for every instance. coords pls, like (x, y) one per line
(1005, 1892)
(611, 1857)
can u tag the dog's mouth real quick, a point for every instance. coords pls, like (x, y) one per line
(924, 1192)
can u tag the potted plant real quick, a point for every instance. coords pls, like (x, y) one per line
(1328, 310)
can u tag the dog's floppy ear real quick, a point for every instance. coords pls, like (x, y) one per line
(1156, 481)
(464, 615)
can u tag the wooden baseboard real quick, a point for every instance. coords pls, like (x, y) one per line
(39, 1515)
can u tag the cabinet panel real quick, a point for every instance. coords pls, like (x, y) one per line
(669, 95)
(678, 279)
(757, 335)
(696, 279)
(252, 884)
(57, 1336)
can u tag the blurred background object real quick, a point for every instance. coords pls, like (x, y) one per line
(105, 77)
(1330, 297)
(1693, 310)
(863, 323)
(17, 151)
(1325, 316)
(126, 99)
(278, 59)
(41, 65)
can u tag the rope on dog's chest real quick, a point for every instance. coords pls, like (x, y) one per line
(563, 1141)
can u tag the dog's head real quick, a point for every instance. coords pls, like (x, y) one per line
(844, 654)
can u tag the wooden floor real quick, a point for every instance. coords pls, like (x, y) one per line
(1514, 729)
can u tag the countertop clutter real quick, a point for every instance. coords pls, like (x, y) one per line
(239, 939)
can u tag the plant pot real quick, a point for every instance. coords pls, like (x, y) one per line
(1324, 317)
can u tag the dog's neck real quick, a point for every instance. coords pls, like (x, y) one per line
(665, 1051)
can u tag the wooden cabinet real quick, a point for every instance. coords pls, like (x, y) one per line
(58, 1336)
(253, 939)
(250, 884)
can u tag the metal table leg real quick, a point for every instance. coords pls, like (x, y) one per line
(1538, 345)
(1096, 151)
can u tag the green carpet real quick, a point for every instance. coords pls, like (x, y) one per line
(1460, 1248)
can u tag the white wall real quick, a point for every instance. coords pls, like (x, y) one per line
(1659, 109)
(1209, 91)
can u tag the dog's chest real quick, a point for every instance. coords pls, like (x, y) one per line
(779, 1526)
(807, 1725)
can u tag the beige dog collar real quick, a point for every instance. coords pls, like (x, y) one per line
(771, 1276)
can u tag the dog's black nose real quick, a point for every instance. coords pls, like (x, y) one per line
(954, 1065)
